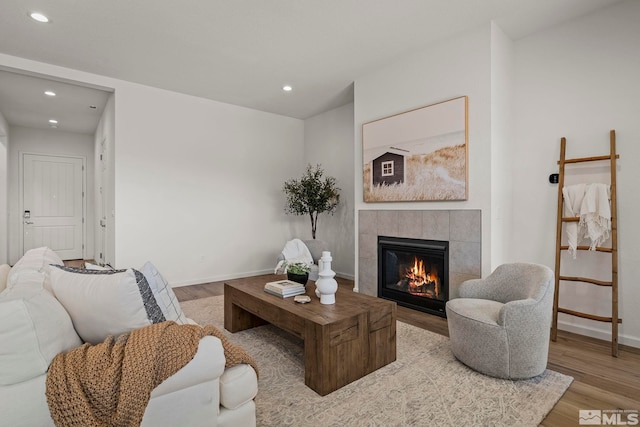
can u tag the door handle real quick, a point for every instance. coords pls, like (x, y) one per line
(28, 222)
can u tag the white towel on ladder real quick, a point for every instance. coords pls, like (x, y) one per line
(595, 214)
(589, 202)
(573, 197)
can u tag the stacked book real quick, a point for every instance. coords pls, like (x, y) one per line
(284, 288)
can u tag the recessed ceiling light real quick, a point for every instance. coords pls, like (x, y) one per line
(53, 121)
(36, 16)
(49, 93)
(287, 88)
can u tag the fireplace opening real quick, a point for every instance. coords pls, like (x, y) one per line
(414, 273)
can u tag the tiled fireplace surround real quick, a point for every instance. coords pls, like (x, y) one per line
(462, 228)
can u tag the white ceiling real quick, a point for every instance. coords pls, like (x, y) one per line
(23, 103)
(243, 51)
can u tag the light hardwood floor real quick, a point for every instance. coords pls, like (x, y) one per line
(600, 380)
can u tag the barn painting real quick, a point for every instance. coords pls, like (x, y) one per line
(419, 155)
(388, 169)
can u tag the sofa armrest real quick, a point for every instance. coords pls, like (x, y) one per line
(206, 365)
(238, 385)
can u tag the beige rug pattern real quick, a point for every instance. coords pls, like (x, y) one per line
(425, 386)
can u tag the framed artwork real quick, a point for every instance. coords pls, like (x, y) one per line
(418, 155)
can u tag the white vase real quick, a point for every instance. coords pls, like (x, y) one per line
(326, 285)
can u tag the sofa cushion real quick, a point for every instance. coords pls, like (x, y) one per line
(34, 328)
(28, 278)
(38, 259)
(4, 275)
(24, 404)
(105, 302)
(164, 294)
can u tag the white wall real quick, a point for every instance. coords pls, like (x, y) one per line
(579, 80)
(444, 70)
(502, 70)
(46, 141)
(4, 178)
(105, 132)
(328, 140)
(197, 182)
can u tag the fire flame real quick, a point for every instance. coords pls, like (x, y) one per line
(418, 277)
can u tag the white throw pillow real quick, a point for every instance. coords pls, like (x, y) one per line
(102, 303)
(37, 259)
(164, 294)
(34, 328)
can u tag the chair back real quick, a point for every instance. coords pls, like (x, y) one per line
(518, 281)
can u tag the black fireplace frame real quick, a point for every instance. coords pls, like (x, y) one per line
(420, 247)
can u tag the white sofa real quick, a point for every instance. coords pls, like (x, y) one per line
(35, 325)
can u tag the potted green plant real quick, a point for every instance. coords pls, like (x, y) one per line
(297, 272)
(313, 194)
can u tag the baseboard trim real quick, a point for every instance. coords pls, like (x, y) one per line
(221, 278)
(599, 334)
(345, 276)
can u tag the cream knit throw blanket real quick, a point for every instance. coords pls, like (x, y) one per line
(109, 384)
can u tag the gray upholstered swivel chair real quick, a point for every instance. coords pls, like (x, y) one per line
(500, 325)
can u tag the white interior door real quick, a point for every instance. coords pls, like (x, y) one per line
(53, 205)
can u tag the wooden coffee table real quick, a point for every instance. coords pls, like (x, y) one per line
(342, 342)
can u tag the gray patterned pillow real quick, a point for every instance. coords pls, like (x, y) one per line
(164, 294)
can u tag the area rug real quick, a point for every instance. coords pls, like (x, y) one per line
(425, 386)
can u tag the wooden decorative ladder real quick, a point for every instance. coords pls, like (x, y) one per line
(613, 250)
